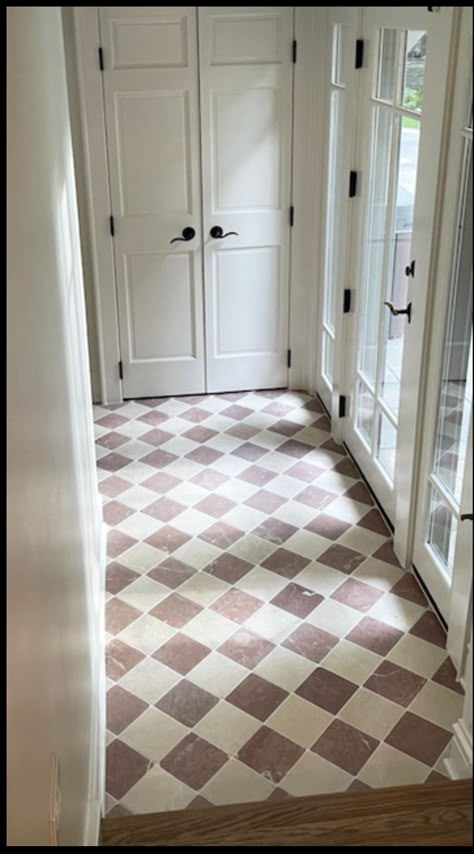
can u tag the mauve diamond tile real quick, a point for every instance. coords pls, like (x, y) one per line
(278, 795)
(271, 393)
(214, 505)
(249, 452)
(156, 437)
(199, 803)
(117, 577)
(357, 594)
(429, 629)
(153, 402)
(192, 399)
(315, 497)
(265, 501)
(358, 786)
(195, 415)
(436, 777)
(175, 610)
(153, 418)
(237, 412)
(118, 811)
(305, 471)
(286, 428)
(125, 767)
(118, 543)
(209, 479)
(275, 531)
(194, 761)
(113, 486)
(270, 754)
(172, 572)
(161, 482)
(232, 395)
(112, 421)
(297, 600)
(408, 588)
(359, 492)
(374, 635)
(327, 690)
(120, 658)
(256, 475)
(395, 683)
(199, 434)
(114, 512)
(111, 440)
(113, 462)
(332, 446)
(229, 568)
(236, 605)
(257, 697)
(181, 653)
(246, 648)
(386, 553)
(118, 615)
(221, 535)
(446, 675)
(345, 746)
(164, 509)
(122, 708)
(341, 558)
(168, 539)
(204, 456)
(243, 431)
(313, 405)
(374, 521)
(294, 448)
(285, 563)
(347, 468)
(159, 459)
(322, 423)
(311, 642)
(187, 703)
(327, 526)
(419, 738)
(277, 409)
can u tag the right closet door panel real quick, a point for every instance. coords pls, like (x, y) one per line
(246, 80)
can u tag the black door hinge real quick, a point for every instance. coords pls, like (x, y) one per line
(295, 48)
(101, 59)
(346, 305)
(342, 405)
(121, 370)
(288, 359)
(292, 216)
(359, 57)
(352, 184)
(112, 226)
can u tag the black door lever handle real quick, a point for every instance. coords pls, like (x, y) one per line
(217, 232)
(188, 234)
(465, 516)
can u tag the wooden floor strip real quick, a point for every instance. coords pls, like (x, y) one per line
(438, 814)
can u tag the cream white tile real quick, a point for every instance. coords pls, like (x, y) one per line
(300, 721)
(261, 583)
(224, 442)
(268, 439)
(218, 674)
(131, 410)
(174, 407)
(230, 465)
(235, 783)
(102, 452)
(272, 623)
(197, 553)
(179, 446)
(278, 462)
(144, 593)
(154, 734)
(228, 727)
(438, 704)
(109, 737)
(99, 431)
(149, 679)
(214, 404)
(142, 557)
(313, 775)
(362, 540)
(176, 425)
(209, 628)
(418, 655)
(295, 399)
(110, 803)
(184, 469)
(146, 634)
(376, 572)
(307, 544)
(371, 713)
(187, 493)
(102, 474)
(237, 490)
(296, 513)
(203, 588)
(396, 611)
(321, 578)
(137, 471)
(136, 449)
(311, 435)
(138, 497)
(334, 617)
(285, 486)
(262, 420)
(192, 521)
(255, 401)
(253, 549)
(135, 429)
(285, 668)
(99, 411)
(352, 661)
(324, 459)
(218, 422)
(348, 510)
(334, 482)
(139, 526)
(389, 767)
(244, 518)
(158, 790)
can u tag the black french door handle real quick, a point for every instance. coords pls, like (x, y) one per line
(397, 311)
(466, 516)
(187, 234)
(218, 233)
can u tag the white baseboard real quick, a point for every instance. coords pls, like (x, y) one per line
(458, 763)
(93, 820)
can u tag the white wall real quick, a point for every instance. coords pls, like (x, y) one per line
(54, 564)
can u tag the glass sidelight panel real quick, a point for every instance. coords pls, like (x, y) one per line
(387, 67)
(442, 526)
(414, 69)
(365, 413)
(387, 445)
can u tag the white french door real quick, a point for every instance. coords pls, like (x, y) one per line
(400, 117)
(198, 109)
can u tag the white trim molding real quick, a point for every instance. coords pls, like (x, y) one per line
(458, 762)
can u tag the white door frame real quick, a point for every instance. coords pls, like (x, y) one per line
(310, 34)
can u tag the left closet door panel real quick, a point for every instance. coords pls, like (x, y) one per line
(152, 118)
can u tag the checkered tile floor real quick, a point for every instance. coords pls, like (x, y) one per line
(262, 640)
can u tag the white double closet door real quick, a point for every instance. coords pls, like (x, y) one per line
(198, 109)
